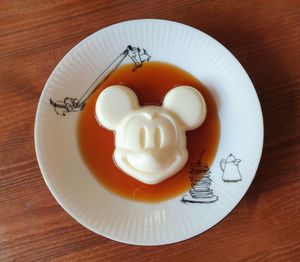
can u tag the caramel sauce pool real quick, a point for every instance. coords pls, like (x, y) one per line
(150, 83)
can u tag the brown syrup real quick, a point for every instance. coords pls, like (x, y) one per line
(150, 83)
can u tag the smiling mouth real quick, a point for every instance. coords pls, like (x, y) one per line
(149, 168)
(149, 164)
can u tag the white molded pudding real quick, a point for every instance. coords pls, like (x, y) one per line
(150, 141)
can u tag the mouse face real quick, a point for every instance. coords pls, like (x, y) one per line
(150, 141)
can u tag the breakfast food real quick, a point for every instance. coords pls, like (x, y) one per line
(150, 141)
(200, 191)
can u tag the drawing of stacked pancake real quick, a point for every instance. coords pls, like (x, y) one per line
(200, 191)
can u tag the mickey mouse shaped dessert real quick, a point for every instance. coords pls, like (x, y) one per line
(150, 141)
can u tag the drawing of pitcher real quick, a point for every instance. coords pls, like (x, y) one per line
(230, 169)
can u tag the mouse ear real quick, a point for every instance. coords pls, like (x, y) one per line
(187, 104)
(113, 103)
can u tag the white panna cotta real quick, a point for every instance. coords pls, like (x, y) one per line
(150, 141)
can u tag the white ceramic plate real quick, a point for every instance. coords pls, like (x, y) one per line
(70, 181)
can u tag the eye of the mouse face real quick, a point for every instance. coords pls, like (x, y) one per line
(150, 131)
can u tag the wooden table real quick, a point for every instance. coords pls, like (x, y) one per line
(263, 35)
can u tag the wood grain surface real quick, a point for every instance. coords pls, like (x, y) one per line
(263, 35)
